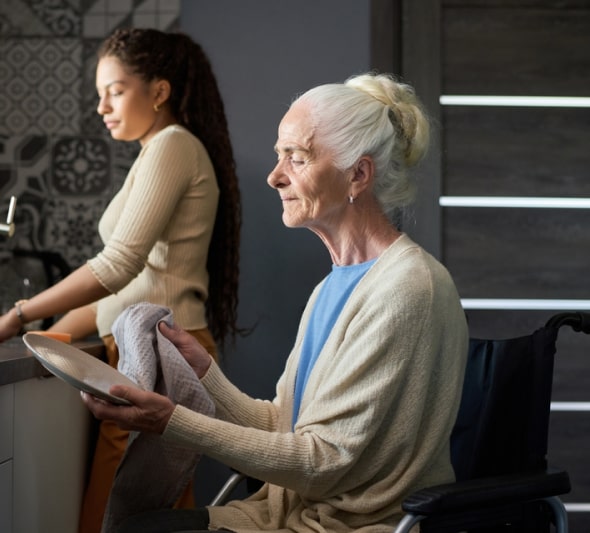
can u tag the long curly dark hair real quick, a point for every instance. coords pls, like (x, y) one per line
(196, 103)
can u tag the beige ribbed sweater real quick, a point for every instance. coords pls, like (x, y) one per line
(375, 417)
(157, 231)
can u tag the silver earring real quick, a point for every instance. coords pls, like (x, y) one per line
(351, 199)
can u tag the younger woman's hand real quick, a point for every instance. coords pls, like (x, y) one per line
(189, 347)
(10, 325)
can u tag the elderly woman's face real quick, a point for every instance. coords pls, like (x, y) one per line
(313, 191)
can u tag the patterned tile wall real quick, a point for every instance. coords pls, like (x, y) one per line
(55, 155)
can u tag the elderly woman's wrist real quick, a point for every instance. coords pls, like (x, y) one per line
(202, 369)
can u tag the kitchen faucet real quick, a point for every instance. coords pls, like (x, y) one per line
(8, 228)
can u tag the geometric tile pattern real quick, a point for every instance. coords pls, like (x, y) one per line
(26, 18)
(106, 15)
(55, 155)
(41, 88)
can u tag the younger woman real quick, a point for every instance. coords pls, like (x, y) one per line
(171, 234)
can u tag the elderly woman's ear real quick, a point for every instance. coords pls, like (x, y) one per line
(363, 174)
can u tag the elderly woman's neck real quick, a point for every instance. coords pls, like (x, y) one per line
(360, 240)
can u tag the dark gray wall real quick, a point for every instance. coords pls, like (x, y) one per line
(264, 52)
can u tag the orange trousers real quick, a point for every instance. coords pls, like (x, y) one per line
(110, 447)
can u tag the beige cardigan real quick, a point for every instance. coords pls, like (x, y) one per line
(157, 231)
(375, 417)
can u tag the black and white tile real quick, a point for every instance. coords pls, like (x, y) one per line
(55, 155)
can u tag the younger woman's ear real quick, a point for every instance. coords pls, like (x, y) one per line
(162, 91)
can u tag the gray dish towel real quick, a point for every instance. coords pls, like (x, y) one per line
(152, 473)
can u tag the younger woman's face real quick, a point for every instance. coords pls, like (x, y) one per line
(126, 102)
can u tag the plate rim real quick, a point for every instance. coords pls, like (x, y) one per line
(69, 379)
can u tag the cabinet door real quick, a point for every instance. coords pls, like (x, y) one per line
(6, 425)
(50, 456)
(6, 497)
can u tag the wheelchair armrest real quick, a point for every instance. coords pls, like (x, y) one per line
(487, 492)
(233, 481)
(252, 485)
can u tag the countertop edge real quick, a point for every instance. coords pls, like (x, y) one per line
(18, 364)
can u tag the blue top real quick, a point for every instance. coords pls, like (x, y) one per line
(332, 297)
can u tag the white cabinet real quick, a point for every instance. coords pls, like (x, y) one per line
(42, 485)
(6, 417)
(6, 432)
(6, 496)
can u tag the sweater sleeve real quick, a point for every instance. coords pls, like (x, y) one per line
(160, 176)
(234, 406)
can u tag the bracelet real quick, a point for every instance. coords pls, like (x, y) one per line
(19, 311)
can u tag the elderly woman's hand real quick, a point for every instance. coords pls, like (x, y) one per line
(189, 347)
(149, 412)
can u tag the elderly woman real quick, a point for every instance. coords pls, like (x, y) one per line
(364, 408)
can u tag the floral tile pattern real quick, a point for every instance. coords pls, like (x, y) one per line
(55, 155)
(71, 227)
(80, 167)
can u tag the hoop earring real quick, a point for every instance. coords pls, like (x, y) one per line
(156, 108)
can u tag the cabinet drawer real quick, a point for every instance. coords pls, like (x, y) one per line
(6, 422)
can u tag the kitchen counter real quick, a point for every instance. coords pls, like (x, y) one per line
(17, 363)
